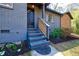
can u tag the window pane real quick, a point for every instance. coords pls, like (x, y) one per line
(49, 18)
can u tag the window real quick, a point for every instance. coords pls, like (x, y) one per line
(50, 18)
(6, 5)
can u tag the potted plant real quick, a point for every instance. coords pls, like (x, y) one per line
(11, 49)
(14, 48)
(2, 50)
(56, 35)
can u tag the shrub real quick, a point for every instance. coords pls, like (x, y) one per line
(57, 32)
(11, 46)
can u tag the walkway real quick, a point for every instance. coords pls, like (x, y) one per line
(54, 52)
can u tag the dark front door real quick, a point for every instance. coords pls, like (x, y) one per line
(30, 18)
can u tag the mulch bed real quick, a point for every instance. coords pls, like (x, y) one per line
(59, 40)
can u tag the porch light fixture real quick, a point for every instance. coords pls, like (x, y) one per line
(32, 6)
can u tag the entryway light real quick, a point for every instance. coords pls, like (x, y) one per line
(32, 6)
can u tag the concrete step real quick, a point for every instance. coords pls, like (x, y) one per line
(37, 38)
(35, 34)
(32, 29)
(39, 43)
(37, 31)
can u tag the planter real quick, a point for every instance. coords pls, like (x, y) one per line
(11, 49)
(15, 48)
(59, 40)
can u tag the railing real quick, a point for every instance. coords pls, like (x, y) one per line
(44, 27)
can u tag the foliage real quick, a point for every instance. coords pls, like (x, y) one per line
(11, 46)
(57, 32)
(1, 49)
(75, 21)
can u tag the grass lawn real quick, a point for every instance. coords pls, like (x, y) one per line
(69, 48)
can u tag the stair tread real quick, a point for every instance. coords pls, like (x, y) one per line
(35, 34)
(37, 37)
(32, 40)
(33, 29)
(39, 43)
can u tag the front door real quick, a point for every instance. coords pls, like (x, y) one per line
(30, 18)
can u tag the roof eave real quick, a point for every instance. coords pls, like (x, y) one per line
(53, 11)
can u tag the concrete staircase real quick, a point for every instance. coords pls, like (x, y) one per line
(36, 38)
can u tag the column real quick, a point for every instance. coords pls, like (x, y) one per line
(43, 15)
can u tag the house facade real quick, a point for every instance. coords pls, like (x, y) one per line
(16, 19)
(13, 22)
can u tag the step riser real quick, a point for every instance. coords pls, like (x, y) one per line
(43, 42)
(36, 40)
(34, 35)
(37, 46)
(33, 31)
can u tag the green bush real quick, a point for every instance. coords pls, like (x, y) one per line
(11, 46)
(1, 49)
(75, 24)
(57, 32)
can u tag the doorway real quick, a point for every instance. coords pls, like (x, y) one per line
(30, 17)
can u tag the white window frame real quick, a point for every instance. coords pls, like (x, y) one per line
(6, 5)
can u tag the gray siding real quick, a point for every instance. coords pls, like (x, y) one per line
(56, 20)
(14, 20)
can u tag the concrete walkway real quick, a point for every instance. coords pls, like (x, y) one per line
(54, 52)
